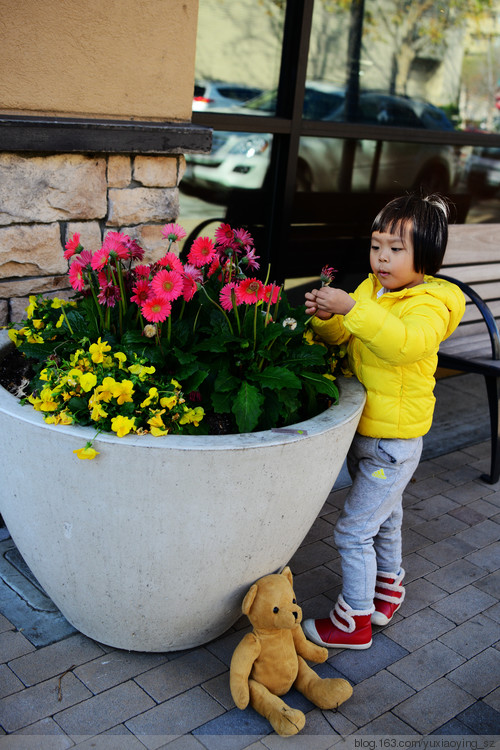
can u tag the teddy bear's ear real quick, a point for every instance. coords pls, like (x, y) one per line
(288, 574)
(249, 599)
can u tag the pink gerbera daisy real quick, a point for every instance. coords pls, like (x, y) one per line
(100, 258)
(156, 309)
(142, 271)
(75, 276)
(202, 251)
(135, 251)
(250, 290)
(167, 284)
(114, 242)
(141, 291)
(215, 266)
(173, 232)
(109, 294)
(192, 276)
(243, 238)
(171, 262)
(226, 296)
(271, 293)
(224, 235)
(72, 246)
(85, 258)
(250, 259)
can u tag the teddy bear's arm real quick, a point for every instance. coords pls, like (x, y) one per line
(244, 655)
(307, 649)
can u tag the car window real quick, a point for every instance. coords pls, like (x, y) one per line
(319, 104)
(239, 93)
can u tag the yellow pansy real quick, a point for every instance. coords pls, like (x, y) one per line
(97, 411)
(98, 350)
(87, 452)
(192, 416)
(176, 384)
(141, 370)
(123, 391)
(157, 425)
(88, 381)
(121, 357)
(122, 425)
(169, 401)
(105, 391)
(47, 402)
(153, 396)
(62, 418)
(31, 307)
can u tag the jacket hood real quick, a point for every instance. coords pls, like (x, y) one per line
(449, 294)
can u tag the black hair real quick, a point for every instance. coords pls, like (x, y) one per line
(427, 221)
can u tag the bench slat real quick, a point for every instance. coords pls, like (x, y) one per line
(473, 243)
(474, 274)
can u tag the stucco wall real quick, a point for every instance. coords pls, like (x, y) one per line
(117, 59)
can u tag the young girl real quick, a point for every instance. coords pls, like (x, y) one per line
(394, 323)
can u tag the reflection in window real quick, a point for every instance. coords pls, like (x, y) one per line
(238, 52)
(378, 166)
(425, 52)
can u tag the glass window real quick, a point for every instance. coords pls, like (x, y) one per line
(238, 53)
(443, 60)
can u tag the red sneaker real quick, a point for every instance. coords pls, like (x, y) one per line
(345, 628)
(389, 596)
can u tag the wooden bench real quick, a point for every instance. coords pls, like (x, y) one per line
(472, 261)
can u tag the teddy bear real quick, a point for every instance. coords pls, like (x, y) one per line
(271, 659)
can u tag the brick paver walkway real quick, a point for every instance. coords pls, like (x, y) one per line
(433, 671)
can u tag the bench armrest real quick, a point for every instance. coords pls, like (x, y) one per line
(485, 311)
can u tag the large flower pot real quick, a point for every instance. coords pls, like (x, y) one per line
(152, 545)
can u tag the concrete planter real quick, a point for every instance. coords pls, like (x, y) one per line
(152, 545)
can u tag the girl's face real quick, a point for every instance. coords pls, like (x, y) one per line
(391, 259)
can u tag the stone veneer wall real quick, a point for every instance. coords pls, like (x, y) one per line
(45, 199)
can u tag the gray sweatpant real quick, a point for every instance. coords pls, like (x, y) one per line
(368, 532)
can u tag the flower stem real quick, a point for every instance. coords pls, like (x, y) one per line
(219, 308)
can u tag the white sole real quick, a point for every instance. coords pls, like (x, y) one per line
(378, 618)
(312, 634)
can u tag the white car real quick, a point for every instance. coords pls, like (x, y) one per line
(241, 160)
(215, 95)
(482, 170)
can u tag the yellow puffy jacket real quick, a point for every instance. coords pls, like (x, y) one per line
(393, 339)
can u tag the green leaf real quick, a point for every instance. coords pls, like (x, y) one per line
(225, 382)
(322, 384)
(222, 402)
(276, 378)
(308, 356)
(215, 343)
(247, 407)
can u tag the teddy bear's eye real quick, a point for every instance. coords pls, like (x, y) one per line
(294, 601)
(276, 610)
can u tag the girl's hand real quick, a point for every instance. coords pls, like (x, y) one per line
(312, 306)
(328, 301)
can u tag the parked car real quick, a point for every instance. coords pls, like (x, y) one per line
(241, 160)
(482, 170)
(220, 94)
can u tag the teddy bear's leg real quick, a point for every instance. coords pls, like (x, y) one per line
(324, 693)
(284, 720)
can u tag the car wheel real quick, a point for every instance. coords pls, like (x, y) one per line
(304, 180)
(433, 179)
